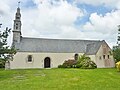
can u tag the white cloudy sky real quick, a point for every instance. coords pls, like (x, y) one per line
(71, 19)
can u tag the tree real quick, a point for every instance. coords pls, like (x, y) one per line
(116, 49)
(118, 40)
(6, 52)
(116, 53)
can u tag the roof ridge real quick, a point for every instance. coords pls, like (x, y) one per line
(62, 39)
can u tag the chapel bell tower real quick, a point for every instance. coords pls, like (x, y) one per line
(17, 27)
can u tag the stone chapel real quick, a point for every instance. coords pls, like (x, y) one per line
(49, 53)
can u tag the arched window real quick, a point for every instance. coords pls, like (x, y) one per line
(76, 56)
(16, 26)
(29, 58)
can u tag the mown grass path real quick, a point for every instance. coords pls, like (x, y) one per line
(60, 79)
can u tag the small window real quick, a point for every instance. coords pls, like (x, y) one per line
(17, 18)
(103, 56)
(29, 58)
(76, 57)
(108, 57)
(16, 27)
(100, 58)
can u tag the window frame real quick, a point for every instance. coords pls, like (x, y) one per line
(100, 58)
(76, 55)
(17, 17)
(103, 56)
(16, 27)
(29, 58)
(108, 56)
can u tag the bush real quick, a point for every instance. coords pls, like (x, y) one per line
(68, 64)
(78, 65)
(88, 64)
(82, 62)
(62, 66)
(2, 63)
(118, 65)
(85, 62)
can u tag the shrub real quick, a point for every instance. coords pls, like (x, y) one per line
(62, 66)
(78, 65)
(71, 63)
(2, 63)
(118, 65)
(88, 64)
(82, 62)
(85, 62)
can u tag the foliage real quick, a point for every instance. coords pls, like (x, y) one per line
(85, 62)
(68, 64)
(62, 66)
(116, 53)
(118, 34)
(82, 62)
(83, 58)
(116, 49)
(5, 51)
(118, 65)
(2, 63)
(78, 65)
(88, 64)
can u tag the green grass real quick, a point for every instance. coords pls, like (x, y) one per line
(60, 79)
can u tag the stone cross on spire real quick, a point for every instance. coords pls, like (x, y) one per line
(19, 4)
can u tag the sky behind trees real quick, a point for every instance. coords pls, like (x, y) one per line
(69, 19)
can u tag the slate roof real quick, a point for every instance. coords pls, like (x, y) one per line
(58, 45)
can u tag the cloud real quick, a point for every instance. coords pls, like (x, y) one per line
(103, 27)
(107, 3)
(50, 18)
(56, 19)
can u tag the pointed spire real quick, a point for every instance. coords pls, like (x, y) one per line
(17, 21)
(18, 15)
(18, 9)
(17, 26)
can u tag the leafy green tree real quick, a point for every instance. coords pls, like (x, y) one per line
(116, 49)
(118, 40)
(6, 52)
(116, 53)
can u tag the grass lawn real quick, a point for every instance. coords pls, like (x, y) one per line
(60, 79)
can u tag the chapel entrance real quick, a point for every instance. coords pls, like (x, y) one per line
(47, 62)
